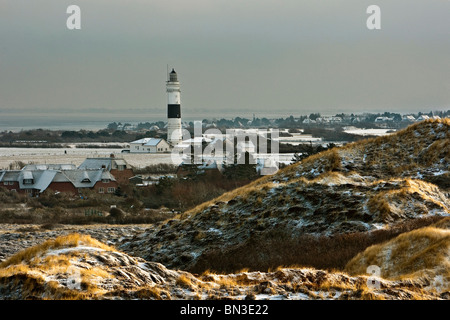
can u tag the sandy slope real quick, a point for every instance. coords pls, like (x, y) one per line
(79, 267)
(422, 253)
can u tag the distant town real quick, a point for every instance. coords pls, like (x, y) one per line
(334, 128)
(365, 120)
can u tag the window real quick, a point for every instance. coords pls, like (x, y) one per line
(111, 190)
(86, 180)
(5, 183)
(101, 190)
(106, 180)
(11, 183)
(27, 181)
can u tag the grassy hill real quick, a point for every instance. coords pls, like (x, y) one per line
(319, 212)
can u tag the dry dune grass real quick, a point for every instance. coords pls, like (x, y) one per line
(417, 146)
(437, 150)
(36, 269)
(443, 224)
(392, 203)
(409, 134)
(410, 255)
(257, 185)
(31, 277)
(71, 240)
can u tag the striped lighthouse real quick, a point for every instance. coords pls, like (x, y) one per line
(174, 135)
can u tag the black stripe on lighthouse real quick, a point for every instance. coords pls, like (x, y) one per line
(173, 111)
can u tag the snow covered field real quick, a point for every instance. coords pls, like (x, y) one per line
(366, 132)
(299, 138)
(77, 155)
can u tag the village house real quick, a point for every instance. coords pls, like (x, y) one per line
(98, 180)
(335, 120)
(383, 119)
(49, 167)
(33, 182)
(118, 167)
(423, 117)
(309, 121)
(103, 175)
(408, 118)
(149, 145)
(10, 179)
(137, 180)
(210, 168)
(322, 120)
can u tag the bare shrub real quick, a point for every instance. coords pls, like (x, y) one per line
(116, 213)
(277, 248)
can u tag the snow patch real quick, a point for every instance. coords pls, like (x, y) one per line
(71, 249)
(438, 283)
(214, 230)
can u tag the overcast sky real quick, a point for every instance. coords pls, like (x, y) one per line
(233, 57)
